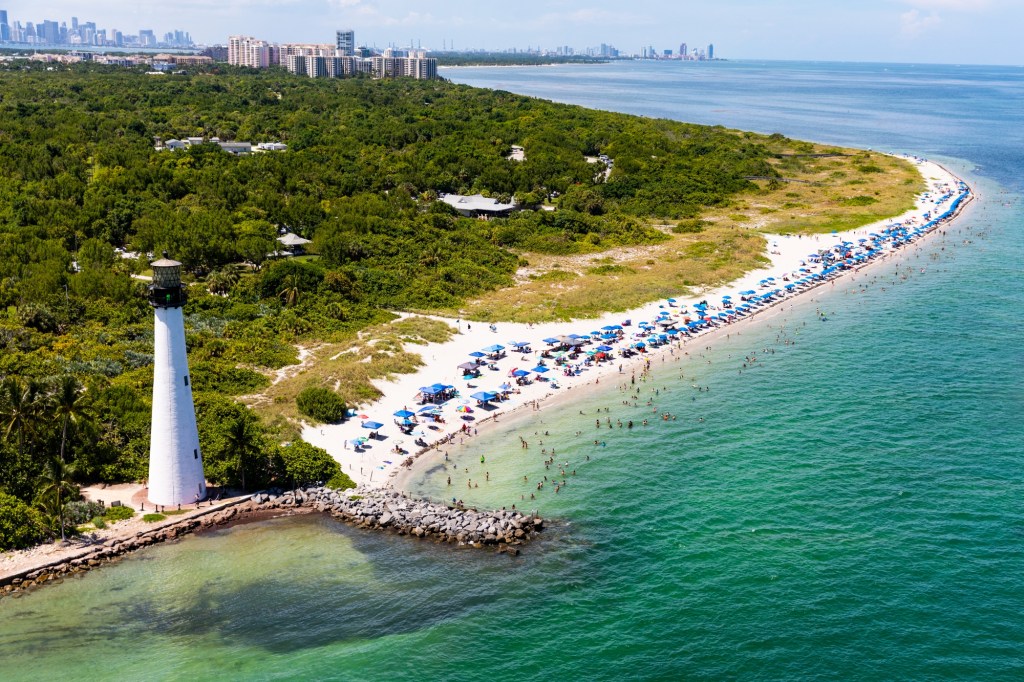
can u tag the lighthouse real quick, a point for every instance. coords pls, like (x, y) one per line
(175, 463)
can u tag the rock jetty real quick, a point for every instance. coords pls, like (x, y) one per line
(370, 508)
(395, 512)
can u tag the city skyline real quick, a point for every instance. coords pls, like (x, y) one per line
(915, 31)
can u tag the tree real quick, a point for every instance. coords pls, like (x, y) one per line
(19, 408)
(55, 487)
(70, 407)
(243, 443)
(290, 293)
(20, 525)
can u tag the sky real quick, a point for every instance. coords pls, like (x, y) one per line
(915, 31)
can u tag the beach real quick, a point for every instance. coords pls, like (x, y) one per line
(378, 461)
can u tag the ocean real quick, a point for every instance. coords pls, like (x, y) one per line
(837, 500)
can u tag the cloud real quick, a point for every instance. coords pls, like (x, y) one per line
(913, 23)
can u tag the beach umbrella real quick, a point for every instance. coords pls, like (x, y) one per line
(364, 416)
(520, 373)
(539, 369)
(373, 426)
(505, 386)
(404, 413)
(477, 354)
(407, 422)
(604, 349)
(494, 348)
(465, 409)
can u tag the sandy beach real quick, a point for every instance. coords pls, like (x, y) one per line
(379, 461)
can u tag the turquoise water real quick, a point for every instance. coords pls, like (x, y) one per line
(847, 506)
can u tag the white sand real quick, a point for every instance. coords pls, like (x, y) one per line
(379, 464)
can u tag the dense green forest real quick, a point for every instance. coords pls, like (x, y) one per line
(82, 186)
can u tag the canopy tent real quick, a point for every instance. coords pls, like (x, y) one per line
(539, 369)
(373, 426)
(484, 396)
(496, 348)
(404, 413)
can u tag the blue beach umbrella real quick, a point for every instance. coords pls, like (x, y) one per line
(373, 426)
(404, 413)
(539, 369)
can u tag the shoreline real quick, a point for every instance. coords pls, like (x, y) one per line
(380, 465)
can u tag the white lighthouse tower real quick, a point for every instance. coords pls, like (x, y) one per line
(175, 463)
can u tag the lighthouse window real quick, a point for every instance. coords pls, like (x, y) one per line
(195, 453)
(186, 380)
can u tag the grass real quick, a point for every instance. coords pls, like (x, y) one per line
(690, 261)
(153, 518)
(349, 367)
(826, 194)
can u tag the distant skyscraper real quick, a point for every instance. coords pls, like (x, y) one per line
(5, 30)
(711, 51)
(683, 52)
(346, 43)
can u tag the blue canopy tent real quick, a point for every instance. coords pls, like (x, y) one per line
(551, 341)
(484, 396)
(404, 413)
(496, 348)
(520, 373)
(373, 426)
(477, 354)
(604, 349)
(539, 369)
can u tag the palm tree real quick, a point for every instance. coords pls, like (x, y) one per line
(221, 281)
(69, 406)
(55, 485)
(290, 293)
(19, 408)
(243, 440)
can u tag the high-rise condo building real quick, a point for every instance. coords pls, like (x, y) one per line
(346, 43)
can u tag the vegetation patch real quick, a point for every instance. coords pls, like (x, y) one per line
(320, 404)
(153, 518)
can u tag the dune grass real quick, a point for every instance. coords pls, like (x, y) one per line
(349, 368)
(820, 194)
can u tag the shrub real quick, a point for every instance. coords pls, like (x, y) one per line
(304, 463)
(99, 522)
(861, 200)
(321, 404)
(20, 525)
(690, 226)
(153, 518)
(115, 514)
(341, 481)
(83, 511)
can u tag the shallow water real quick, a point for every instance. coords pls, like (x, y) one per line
(849, 507)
